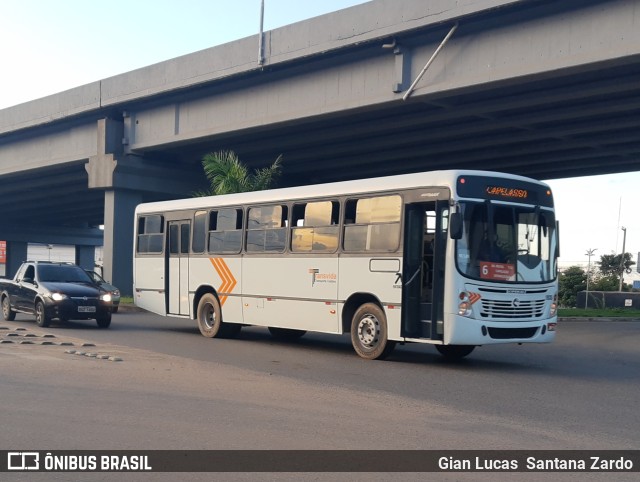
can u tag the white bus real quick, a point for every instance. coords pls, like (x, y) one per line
(456, 259)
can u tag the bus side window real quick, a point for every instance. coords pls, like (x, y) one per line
(267, 229)
(315, 227)
(199, 232)
(375, 226)
(150, 234)
(225, 231)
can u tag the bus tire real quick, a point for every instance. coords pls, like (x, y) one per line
(210, 319)
(286, 333)
(230, 330)
(454, 352)
(369, 335)
(209, 316)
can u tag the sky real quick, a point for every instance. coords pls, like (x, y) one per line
(50, 46)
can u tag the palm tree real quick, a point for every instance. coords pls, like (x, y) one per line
(227, 175)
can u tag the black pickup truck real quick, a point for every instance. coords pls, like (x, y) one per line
(55, 290)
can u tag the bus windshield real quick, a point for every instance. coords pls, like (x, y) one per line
(507, 243)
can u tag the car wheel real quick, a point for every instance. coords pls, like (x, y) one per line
(104, 321)
(7, 313)
(42, 319)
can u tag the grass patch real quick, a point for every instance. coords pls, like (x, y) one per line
(127, 299)
(598, 313)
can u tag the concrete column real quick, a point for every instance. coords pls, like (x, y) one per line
(119, 208)
(109, 148)
(86, 257)
(16, 254)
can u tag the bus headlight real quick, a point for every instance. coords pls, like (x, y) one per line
(554, 305)
(464, 307)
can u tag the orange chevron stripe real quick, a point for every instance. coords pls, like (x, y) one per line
(228, 281)
(474, 297)
(216, 265)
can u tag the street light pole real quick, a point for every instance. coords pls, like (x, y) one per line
(588, 253)
(624, 240)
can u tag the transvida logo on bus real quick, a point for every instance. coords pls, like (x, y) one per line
(318, 277)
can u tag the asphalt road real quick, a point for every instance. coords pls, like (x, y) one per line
(167, 387)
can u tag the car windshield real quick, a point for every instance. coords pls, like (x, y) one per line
(506, 243)
(62, 274)
(95, 277)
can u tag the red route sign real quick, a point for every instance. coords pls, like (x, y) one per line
(497, 271)
(3, 252)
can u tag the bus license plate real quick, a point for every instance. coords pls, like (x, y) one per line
(86, 309)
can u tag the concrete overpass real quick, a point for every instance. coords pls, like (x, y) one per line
(541, 88)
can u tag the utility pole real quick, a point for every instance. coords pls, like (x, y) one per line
(261, 35)
(586, 296)
(624, 240)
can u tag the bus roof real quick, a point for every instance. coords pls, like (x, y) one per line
(446, 178)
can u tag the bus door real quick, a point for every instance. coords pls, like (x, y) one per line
(178, 267)
(423, 269)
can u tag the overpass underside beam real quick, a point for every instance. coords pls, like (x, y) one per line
(537, 40)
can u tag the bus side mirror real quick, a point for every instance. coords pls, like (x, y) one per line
(455, 226)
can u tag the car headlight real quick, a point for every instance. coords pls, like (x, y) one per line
(106, 297)
(58, 296)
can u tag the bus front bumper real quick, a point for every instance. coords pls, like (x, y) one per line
(467, 331)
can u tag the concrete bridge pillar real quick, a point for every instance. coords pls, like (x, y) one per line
(128, 180)
(119, 208)
(86, 257)
(16, 254)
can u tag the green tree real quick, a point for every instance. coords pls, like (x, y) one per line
(610, 264)
(609, 267)
(227, 175)
(605, 283)
(571, 281)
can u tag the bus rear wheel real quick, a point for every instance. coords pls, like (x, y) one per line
(454, 352)
(210, 319)
(369, 335)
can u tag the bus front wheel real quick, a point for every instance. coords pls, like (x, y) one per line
(210, 319)
(454, 352)
(369, 335)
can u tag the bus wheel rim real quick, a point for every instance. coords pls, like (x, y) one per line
(209, 315)
(368, 330)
